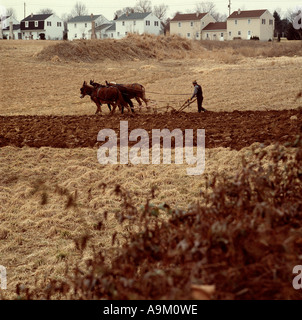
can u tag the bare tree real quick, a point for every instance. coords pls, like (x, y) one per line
(79, 9)
(206, 6)
(143, 6)
(11, 12)
(210, 7)
(219, 17)
(120, 12)
(45, 11)
(160, 11)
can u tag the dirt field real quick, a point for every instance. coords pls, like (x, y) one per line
(48, 141)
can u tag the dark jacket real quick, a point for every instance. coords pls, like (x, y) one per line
(197, 92)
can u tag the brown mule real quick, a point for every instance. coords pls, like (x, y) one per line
(109, 95)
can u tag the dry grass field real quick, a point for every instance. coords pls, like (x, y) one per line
(39, 78)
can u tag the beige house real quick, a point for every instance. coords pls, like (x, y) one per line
(190, 25)
(252, 23)
(215, 31)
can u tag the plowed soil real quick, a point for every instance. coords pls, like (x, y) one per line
(236, 130)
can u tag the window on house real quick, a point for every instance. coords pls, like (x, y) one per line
(123, 23)
(26, 24)
(75, 35)
(126, 33)
(221, 35)
(202, 23)
(239, 33)
(118, 34)
(189, 35)
(271, 22)
(179, 24)
(147, 22)
(236, 21)
(36, 24)
(230, 33)
(156, 23)
(59, 24)
(249, 21)
(75, 25)
(263, 21)
(111, 35)
(134, 23)
(49, 23)
(192, 23)
(197, 34)
(207, 35)
(85, 25)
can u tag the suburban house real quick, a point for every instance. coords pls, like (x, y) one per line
(16, 32)
(252, 23)
(136, 22)
(111, 31)
(80, 27)
(215, 31)
(6, 23)
(190, 25)
(101, 31)
(42, 26)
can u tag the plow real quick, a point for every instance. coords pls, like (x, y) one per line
(185, 105)
(153, 105)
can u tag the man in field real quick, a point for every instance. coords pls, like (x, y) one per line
(198, 94)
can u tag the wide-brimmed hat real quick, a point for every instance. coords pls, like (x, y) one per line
(194, 82)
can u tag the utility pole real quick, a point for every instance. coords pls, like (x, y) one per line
(24, 10)
(229, 6)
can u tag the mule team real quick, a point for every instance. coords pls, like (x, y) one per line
(115, 95)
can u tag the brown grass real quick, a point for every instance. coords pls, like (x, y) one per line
(130, 48)
(144, 47)
(51, 199)
(243, 237)
(230, 81)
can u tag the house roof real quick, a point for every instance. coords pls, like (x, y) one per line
(247, 14)
(216, 26)
(112, 28)
(134, 16)
(189, 16)
(102, 26)
(4, 18)
(15, 27)
(84, 18)
(37, 17)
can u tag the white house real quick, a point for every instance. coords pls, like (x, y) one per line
(101, 31)
(42, 26)
(190, 25)
(215, 31)
(80, 27)
(16, 32)
(110, 32)
(5, 23)
(251, 23)
(136, 22)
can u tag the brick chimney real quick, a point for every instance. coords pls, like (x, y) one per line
(11, 33)
(93, 35)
